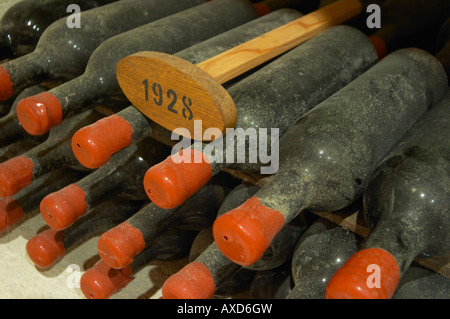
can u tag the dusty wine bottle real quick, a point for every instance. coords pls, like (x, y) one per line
(211, 269)
(10, 128)
(22, 24)
(413, 223)
(26, 201)
(118, 246)
(18, 172)
(299, 80)
(340, 142)
(320, 251)
(102, 281)
(133, 124)
(49, 246)
(99, 79)
(64, 53)
(122, 175)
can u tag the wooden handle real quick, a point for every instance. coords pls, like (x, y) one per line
(234, 62)
(174, 93)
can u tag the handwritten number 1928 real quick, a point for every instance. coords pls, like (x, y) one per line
(172, 96)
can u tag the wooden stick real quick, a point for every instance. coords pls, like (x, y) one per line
(236, 61)
(182, 92)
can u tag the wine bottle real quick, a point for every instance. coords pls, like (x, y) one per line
(99, 79)
(18, 172)
(102, 281)
(272, 283)
(25, 202)
(10, 128)
(338, 144)
(49, 246)
(122, 175)
(121, 244)
(406, 207)
(23, 23)
(63, 52)
(320, 251)
(211, 269)
(137, 125)
(422, 283)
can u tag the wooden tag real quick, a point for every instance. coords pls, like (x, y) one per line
(174, 92)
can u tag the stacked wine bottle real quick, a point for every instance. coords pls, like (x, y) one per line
(355, 205)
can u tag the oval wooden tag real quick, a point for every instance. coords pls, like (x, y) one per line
(174, 93)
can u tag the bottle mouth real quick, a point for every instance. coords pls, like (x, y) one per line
(6, 85)
(371, 273)
(171, 182)
(62, 208)
(46, 248)
(93, 145)
(118, 246)
(102, 281)
(39, 113)
(245, 233)
(194, 281)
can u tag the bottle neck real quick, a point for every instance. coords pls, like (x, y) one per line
(11, 130)
(86, 88)
(395, 237)
(139, 122)
(16, 149)
(56, 151)
(27, 70)
(219, 266)
(120, 175)
(30, 197)
(152, 221)
(172, 245)
(284, 194)
(100, 219)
